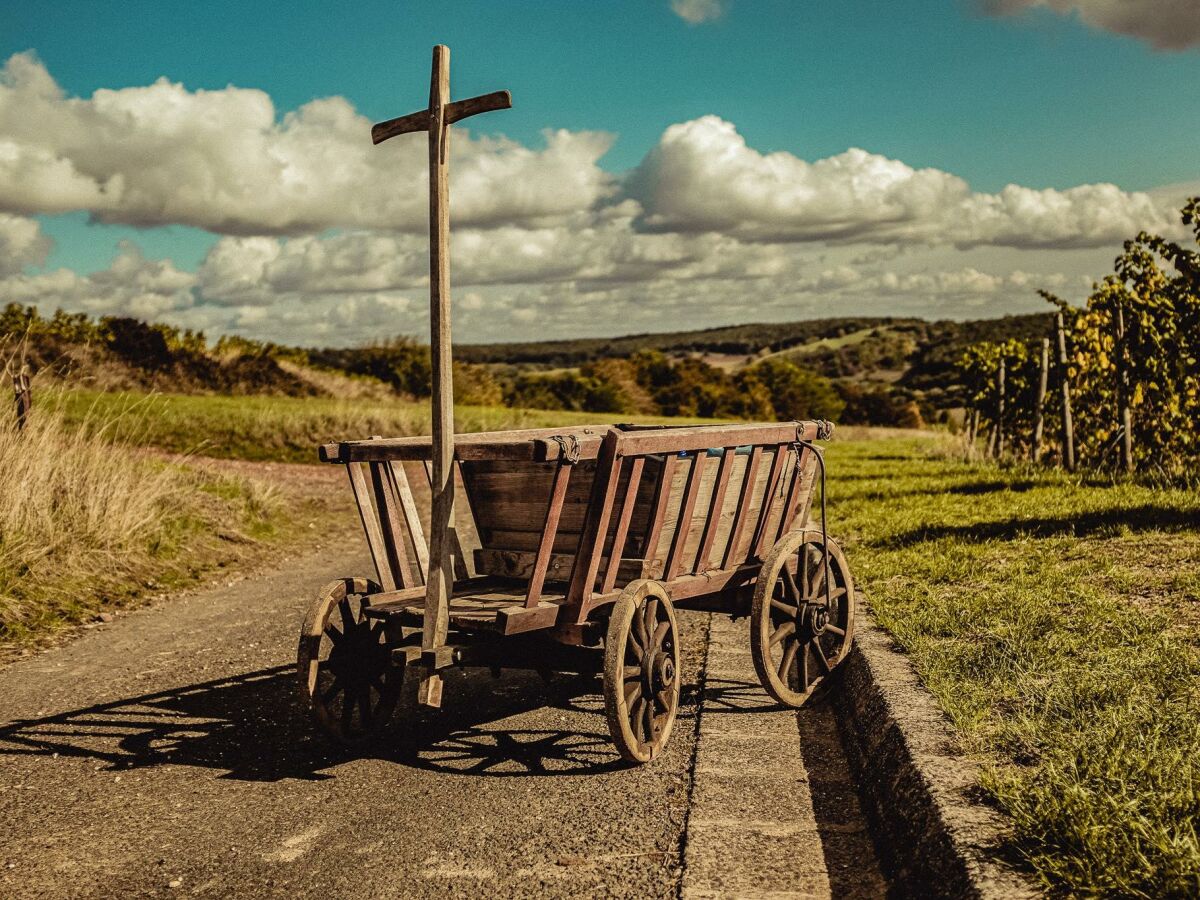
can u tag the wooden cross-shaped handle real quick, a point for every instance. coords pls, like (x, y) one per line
(437, 119)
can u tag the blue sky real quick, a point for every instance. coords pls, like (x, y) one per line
(1036, 99)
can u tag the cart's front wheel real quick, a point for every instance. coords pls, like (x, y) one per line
(344, 663)
(641, 671)
(802, 617)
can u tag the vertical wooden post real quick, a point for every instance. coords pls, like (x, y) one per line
(1000, 409)
(445, 552)
(1124, 416)
(1039, 405)
(1068, 427)
(971, 421)
(441, 565)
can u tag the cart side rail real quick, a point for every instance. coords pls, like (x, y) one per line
(580, 442)
(772, 491)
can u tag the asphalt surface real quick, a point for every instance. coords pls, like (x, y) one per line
(165, 754)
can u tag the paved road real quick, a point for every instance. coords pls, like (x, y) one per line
(163, 754)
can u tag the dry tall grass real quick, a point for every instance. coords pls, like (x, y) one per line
(85, 522)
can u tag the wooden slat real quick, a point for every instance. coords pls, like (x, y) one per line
(768, 501)
(662, 497)
(793, 497)
(713, 520)
(362, 499)
(389, 521)
(591, 542)
(460, 563)
(749, 477)
(627, 504)
(683, 525)
(412, 516)
(558, 490)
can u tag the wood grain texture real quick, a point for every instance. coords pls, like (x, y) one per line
(386, 507)
(683, 524)
(716, 504)
(742, 509)
(558, 490)
(362, 499)
(628, 503)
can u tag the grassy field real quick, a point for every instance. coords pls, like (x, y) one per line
(1057, 623)
(1055, 619)
(286, 429)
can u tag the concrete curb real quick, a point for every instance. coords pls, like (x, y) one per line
(933, 839)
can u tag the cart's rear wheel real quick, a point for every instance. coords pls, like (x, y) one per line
(799, 630)
(344, 663)
(641, 671)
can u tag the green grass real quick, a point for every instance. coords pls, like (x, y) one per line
(1056, 621)
(287, 428)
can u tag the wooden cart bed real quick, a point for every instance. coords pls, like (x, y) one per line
(696, 507)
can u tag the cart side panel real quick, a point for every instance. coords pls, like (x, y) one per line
(509, 499)
(724, 526)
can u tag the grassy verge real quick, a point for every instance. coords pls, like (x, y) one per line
(1056, 622)
(284, 428)
(86, 525)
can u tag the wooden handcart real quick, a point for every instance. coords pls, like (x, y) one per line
(589, 538)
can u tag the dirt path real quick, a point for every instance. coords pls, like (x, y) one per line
(164, 754)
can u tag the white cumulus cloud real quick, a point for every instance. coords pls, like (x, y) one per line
(22, 244)
(696, 11)
(1164, 24)
(702, 176)
(223, 161)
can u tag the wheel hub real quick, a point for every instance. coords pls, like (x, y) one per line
(662, 672)
(814, 618)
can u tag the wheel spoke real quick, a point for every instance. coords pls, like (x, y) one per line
(632, 643)
(818, 578)
(347, 616)
(648, 716)
(663, 699)
(333, 634)
(781, 632)
(650, 618)
(659, 633)
(633, 690)
(790, 588)
(833, 629)
(635, 715)
(790, 611)
(789, 657)
(628, 672)
(820, 655)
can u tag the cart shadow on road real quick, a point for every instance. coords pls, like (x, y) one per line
(250, 727)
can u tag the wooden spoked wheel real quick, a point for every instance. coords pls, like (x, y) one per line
(344, 664)
(799, 630)
(641, 671)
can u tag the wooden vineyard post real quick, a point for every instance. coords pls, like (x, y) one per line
(1039, 405)
(1123, 413)
(1000, 409)
(22, 395)
(1068, 428)
(436, 120)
